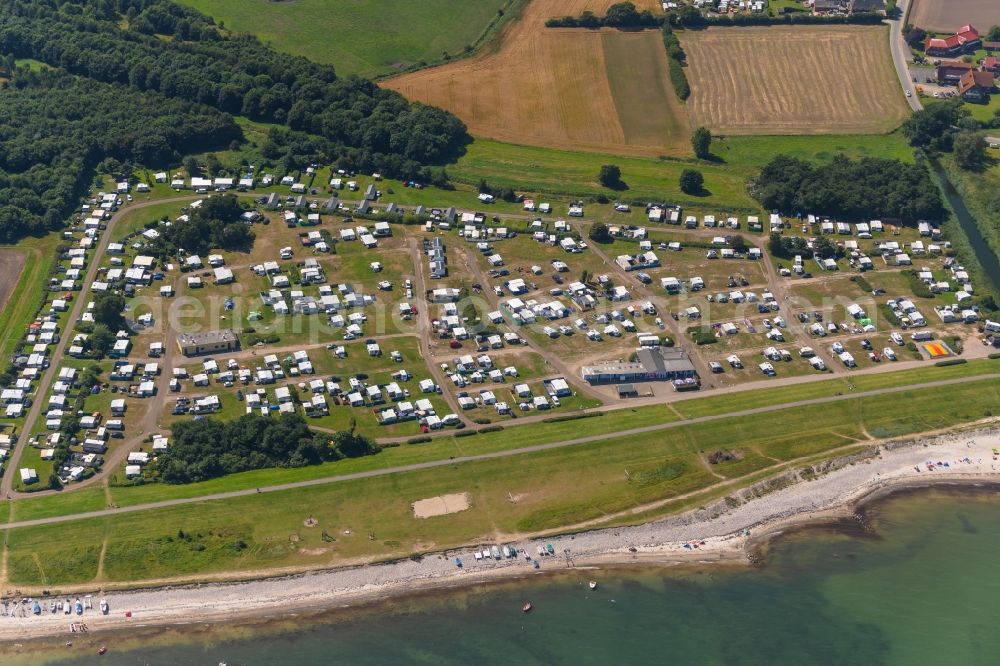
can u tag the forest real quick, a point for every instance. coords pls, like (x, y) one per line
(210, 448)
(869, 188)
(54, 128)
(152, 78)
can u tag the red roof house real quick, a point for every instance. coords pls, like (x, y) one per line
(965, 38)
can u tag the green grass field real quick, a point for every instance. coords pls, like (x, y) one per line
(533, 169)
(363, 37)
(553, 489)
(24, 300)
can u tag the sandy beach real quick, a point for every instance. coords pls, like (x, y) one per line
(725, 531)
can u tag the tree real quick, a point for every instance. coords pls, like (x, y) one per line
(108, 309)
(191, 165)
(969, 149)
(994, 34)
(621, 14)
(99, 341)
(915, 37)
(739, 244)
(599, 233)
(610, 176)
(691, 181)
(701, 141)
(927, 127)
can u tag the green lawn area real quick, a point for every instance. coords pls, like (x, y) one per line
(22, 305)
(533, 169)
(550, 489)
(91, 498)
(364, 37)
(544, 170)
(755, 151)
(136, 219)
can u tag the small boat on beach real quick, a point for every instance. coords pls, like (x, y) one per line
(104, 607)
(541, 551)
(36, 608)
(496, 552)
(552, 551)
(79, 607)
(526, 608)
(593, 584)
(68, 607)
(458, 562)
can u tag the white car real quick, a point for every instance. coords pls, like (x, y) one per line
(909, 93)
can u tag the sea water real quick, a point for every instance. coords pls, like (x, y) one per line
(916, 583)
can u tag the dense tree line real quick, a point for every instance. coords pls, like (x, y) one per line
(618, 15)
(54, 128)
(851, 189)
(215, 224)
(233, 73)
(675, 63)
(210, 448)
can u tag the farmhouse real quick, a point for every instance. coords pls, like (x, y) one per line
(951, 71)
(976, 86)
(964, 40)
(651, 364)
(193, 344)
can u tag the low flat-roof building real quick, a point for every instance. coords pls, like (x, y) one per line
(651, 364)
(194, 344)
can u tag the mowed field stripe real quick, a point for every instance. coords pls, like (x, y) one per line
(793, 80)
(550, 87)
(648, 110)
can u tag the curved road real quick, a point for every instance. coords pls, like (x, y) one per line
(494, 455)
(900, 52)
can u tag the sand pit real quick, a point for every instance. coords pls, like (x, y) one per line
(441, 505)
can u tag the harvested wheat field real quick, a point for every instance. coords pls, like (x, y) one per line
(793, 80)
(949, 15)
(600, 90)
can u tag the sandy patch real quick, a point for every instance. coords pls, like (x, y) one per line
(441, 505)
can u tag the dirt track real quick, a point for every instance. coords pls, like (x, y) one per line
(949, 15)
(793, 80)
(11, 264)
(603, 90)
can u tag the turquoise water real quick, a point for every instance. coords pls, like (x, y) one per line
(920, 588)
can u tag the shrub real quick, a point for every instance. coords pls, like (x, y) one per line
(950, 361)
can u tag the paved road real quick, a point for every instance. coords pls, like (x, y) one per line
(496, 454)
(900, 53)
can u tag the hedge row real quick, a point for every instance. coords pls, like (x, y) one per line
(675, 62)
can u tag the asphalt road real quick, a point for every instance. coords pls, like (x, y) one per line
(900, 51)
(494, 455)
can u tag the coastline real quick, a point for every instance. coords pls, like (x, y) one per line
(720, 533)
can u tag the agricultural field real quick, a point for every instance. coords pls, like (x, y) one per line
(947, 15)
(363, 37)
(594, 90)
(793, 80)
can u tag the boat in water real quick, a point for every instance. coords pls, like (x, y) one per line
(526, 608)
(102, 649)
(104, 607)
(593, 584)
